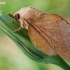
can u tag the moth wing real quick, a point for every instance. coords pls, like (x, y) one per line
(59, 38)
(56, 34)
(40, 42)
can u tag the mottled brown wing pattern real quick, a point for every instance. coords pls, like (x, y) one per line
(55, 33)
(59, 38)
(40, 42)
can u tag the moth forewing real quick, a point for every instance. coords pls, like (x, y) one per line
(40, 42)
(54, 42)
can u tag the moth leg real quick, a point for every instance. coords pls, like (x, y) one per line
(18, 29)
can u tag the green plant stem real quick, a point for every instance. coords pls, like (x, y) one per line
(22, 40)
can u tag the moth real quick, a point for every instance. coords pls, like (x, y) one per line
(49, 32)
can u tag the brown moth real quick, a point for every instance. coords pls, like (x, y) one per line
(48, 32)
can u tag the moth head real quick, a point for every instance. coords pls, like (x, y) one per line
(27, 12)
(16, 16)
(20, 15)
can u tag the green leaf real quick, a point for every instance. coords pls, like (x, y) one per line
(22, 40)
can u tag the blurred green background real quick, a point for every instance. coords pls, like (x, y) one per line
(11, 57)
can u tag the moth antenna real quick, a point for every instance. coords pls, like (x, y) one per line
(11, 15)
